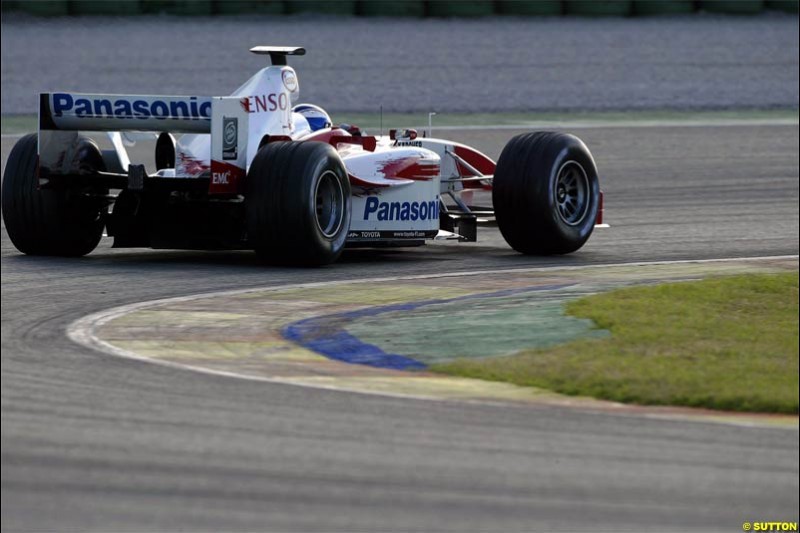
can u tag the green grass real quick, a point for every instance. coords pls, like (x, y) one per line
(13, 124)
(526, 119)
(726, 343)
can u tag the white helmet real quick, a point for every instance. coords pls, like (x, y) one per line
(316, 116)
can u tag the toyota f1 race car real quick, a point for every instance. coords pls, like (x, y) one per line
(258, 171)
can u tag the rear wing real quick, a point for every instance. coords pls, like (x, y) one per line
(105, 112)
(218, 128)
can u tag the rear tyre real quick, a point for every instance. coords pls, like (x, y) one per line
(61, 222)
(297, 202)
(546, 193)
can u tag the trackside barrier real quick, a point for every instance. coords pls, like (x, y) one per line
(591, 8)
(322, 7)
(99, 7)
(249, 7)
(788, 6)
(381, 8)
(57, 8)
(455, 8)
(733, 7)
(178, 7)
(662, 7)
(397, 8)
(530, 8)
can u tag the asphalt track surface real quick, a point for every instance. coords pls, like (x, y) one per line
(93, 442)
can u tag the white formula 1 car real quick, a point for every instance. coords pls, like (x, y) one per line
(257, 171)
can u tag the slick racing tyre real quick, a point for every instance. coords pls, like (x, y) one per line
(59, 221)
(297, 203)
(545, 193)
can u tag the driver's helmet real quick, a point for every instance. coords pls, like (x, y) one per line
(316, 116)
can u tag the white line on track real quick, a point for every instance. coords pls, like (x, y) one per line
(82, 331)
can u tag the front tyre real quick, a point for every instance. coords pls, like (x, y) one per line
(297, 202)
(546, 193)
(60, 222)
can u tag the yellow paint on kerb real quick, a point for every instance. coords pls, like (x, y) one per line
(227, 350)
(171, 318)
(433, 387)
(365, 294)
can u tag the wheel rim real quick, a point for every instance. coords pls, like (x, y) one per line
(329, 204)
(571, 193)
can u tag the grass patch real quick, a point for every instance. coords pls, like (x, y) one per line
(15, 124)
(533, 118)
(11, 124)
(723, 343)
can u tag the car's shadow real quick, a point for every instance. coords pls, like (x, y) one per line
(106, 256)
(428, 258)
(189, 259)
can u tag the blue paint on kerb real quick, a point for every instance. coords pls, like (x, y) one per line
(327, 336)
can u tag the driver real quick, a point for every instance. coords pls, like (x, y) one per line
(313, 115)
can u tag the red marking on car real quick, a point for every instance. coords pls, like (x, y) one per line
(225, 178)
(367, 143)
(191, 165)
(409, 168)
(265, 102)
(479, 161)
(358, 182)
(336, 136)
(326, 135)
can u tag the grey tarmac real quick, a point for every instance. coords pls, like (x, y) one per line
(92, 442)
